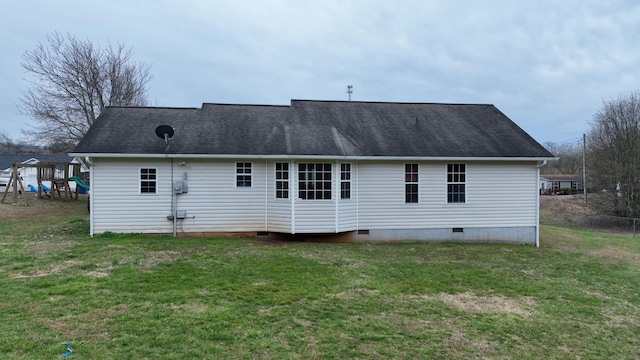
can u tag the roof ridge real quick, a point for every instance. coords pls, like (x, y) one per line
(389, 102)
(231, 104)
(151, 107)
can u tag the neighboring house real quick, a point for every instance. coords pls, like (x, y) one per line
(29, 174)
(371, 171)
(551, 184)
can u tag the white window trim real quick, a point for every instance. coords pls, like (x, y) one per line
(332, 182)
(235, 173)
(340, 181)
(405, 183)
(275, 181)
(140, 182)
(446, 184)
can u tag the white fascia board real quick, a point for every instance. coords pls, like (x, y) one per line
(325, 157)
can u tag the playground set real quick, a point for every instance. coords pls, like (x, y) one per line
(58, 174)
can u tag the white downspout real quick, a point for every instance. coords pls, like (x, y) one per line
(174, 204)
(266, 194)
(544, 162)
(293, 192)
(336, 185)
(91, 202)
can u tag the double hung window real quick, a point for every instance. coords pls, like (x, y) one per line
(243, 174)
(456, 183)
(148, 181)
(345, 181)
(411, 183)
(282, 180)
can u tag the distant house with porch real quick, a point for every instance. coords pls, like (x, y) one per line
(552, 184)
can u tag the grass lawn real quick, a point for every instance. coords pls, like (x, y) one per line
(156, 297)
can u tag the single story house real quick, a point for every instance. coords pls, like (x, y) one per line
(551, 184)
(370, 171)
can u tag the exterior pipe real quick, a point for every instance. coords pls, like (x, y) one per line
(91, 202)
(544, 162)
(174, 204)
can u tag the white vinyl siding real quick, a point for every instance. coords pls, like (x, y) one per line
(279, 210)
(315, 216)
(213, 202)
(119, 206)
(347, 209)
(497, 194)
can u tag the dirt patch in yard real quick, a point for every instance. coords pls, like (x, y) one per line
(40, 208)
(270, 243)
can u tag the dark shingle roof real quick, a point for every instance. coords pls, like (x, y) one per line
(6, 161)
(332, 128)
(561, 177)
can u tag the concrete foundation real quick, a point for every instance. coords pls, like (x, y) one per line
(512, 235)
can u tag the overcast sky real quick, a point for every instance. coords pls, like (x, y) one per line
(548, 65)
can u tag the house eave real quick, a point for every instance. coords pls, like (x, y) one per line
(332, 157)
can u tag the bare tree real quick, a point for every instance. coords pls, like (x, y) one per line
(7, 146)
(570, 158)
(614, 156)
(74, 81)
(10, 146)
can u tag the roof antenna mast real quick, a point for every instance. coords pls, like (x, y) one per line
(349, 91)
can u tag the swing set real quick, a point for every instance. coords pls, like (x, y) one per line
(57, 173)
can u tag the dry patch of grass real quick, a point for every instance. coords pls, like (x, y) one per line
(91, 325)
(560, 239)
(44, 208)
(156, 258)
(191, 307)
(625, 314)
(566, 204)
(460, 344)
(471, 302)
(49, 269)
(41, 245)
(617, 254)
(354, 294)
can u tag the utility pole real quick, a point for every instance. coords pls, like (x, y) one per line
(349, 91)
(584, 167)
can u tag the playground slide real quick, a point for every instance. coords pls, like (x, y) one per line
(80, 182)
